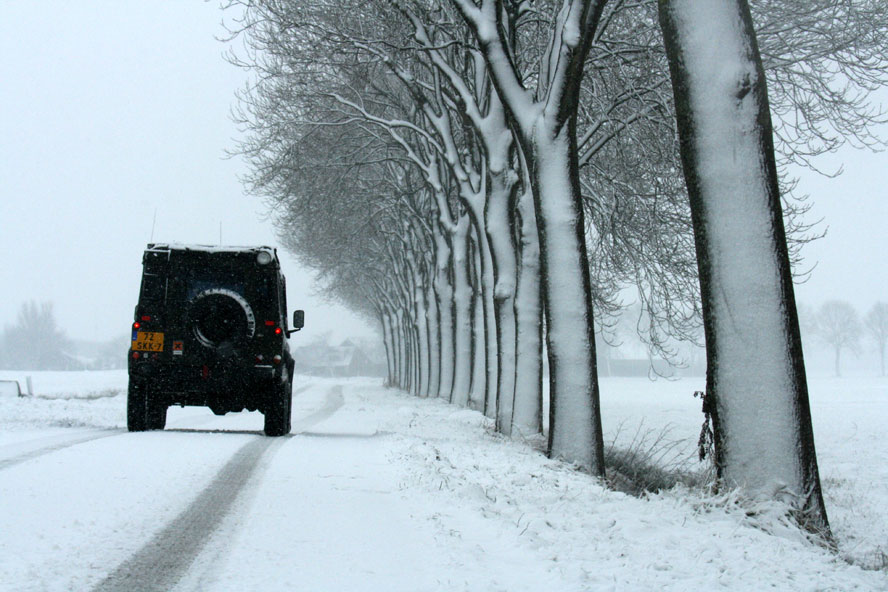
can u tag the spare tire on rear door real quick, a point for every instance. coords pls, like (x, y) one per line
(221, 317)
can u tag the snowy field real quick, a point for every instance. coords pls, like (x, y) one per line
(378, 490)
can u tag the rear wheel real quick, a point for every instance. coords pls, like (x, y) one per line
(143, 411)
(155, 414)
(277, 411)
(136, 411)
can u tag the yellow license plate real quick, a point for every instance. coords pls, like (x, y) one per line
(151, 341)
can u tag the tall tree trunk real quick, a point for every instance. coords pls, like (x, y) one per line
(491, 345)
(478, 392)
(462, 314)
(400, 349)
(444, 297)
(574, 413)
(499, 141)
(422, 338)
(414, 357)
(756, 385)
(527, 416)
(407, 330)
(407, 377)
(485, 391)
(501, 237)
(388, 342)
(434, 340)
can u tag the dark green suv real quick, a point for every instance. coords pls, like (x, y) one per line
(211, 330)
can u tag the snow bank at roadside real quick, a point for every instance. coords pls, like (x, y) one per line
(66, 399)
(589, 537)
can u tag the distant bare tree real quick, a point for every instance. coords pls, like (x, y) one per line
(876, 325)
(839, 327)
(35, 342)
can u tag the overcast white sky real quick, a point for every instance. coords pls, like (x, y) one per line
(112, 109)
(108, 111)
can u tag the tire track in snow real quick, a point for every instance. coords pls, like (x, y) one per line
(37, 453)
(164, 559)
(333, 402)
(168, 555)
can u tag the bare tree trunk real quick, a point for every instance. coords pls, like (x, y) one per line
(462, 313)
(414, 357)
(417, 358)
(434, 341)
(409, 367)
(491, 345)
(506, 272)
(444, 296)
(406, 377)
(756, 385)
(388, 341)
(400, 350)
(483, 391)
(574, 412)
(527, 417)
(500, 233)
(422, 338)
(478, 392)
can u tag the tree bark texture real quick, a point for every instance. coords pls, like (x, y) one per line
(756, 385)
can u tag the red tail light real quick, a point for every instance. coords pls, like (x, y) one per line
(136, 325)
(278, 331)
(146, 318)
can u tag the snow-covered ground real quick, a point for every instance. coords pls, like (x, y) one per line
(378, 490)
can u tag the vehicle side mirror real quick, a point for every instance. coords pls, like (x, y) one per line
(298, 319)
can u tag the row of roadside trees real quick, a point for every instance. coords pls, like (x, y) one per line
(487, 177)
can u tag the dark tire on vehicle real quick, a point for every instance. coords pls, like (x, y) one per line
(136, 407)
(155, 414)
(277, 412)
(288, 394)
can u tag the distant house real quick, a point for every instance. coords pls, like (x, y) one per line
(346, 359)
(633, 359)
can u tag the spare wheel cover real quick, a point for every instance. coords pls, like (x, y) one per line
(249, 317)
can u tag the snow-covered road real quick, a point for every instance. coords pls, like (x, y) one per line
(374, 490)
(211, 504)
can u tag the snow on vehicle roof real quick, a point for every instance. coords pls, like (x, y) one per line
(207, 248)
